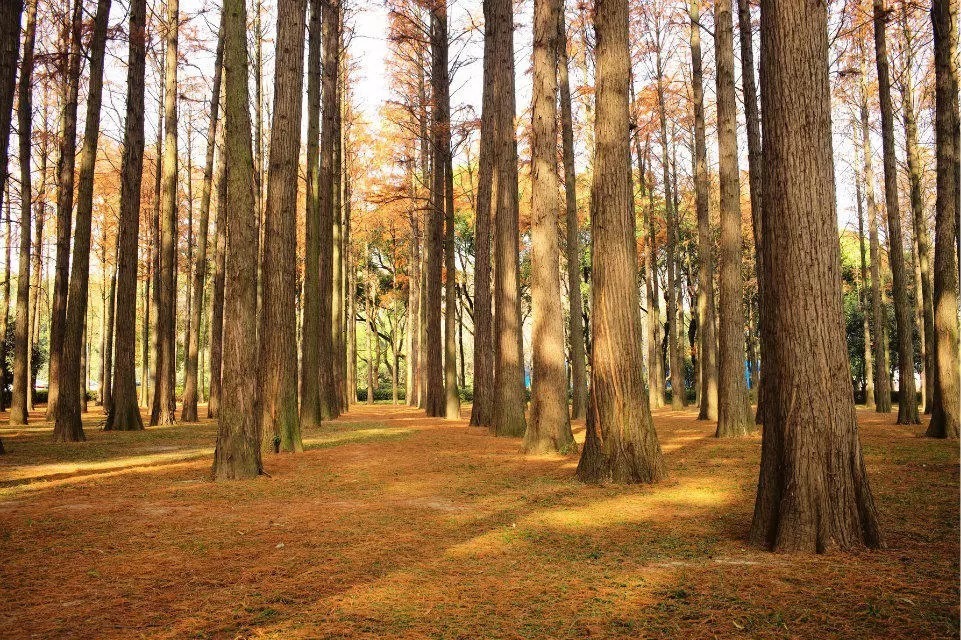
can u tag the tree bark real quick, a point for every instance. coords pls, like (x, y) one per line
(549, 429)
(509, 391)
(65, 177)
(482, 411)
(733, 414)
(68, 426)
(188, 412)
(707, 356)
(237, 454)
(278, 335)
(21, 337)
(329, 107)
(310, 413)
(217, 299)
(924, 293)
(907, 392)
(947, 386)
(862, 289)
(621, 444)
(813, 492)
(573, 236)
(882, 383)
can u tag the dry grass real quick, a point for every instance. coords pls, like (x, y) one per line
(394, 525)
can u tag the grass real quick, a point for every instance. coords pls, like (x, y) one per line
(394, 525)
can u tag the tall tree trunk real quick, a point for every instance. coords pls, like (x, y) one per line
(110, 313)
(482, 411)
(278, 336)
(68, 426)
(549, 428)
(947, 387)
(813, 493)
(707, 395)
(752, 120)
(10, 16)
(413, 299)
(733, 414)
(218, 281)
(440, 141)
(573, 236)
(655, 359)
(237, 453)
(189, 411)
(922, 239)
(65, 177)
(21, 336)
(862, 289)
(37, 278)
(907, 393)
(509, 391)
(329, 108)
(310, 328)
(882, 383)
(678, 397)
(621, 444)
(337, 273)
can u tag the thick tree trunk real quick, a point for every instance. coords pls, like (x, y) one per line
(923, 290)
(65, 177)
(325, 195)
(21, 336)
(549, 429)
(813, 493)
(482, 411)
(278, 335)
(733, 414)
(882, 383)
(573, 237)
(237, 454)
(509, 391)
(707, 343)
(947, 386)
(11, 13)
(189, 411)
(68, 426)
(310, 328)
(907, 392)
(621, 444)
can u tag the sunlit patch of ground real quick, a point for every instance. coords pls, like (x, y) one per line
(395, 525)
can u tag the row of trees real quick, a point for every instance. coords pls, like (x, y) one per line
(283, 349)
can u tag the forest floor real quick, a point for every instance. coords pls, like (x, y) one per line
(392, 525)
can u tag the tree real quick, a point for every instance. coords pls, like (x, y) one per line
(862, 289)
(10, 15)
(947, 387)
(482, 411)
(882, 382)
(237, 454)
(68, 426)
(328, 132)
(164, 404)
(21, 341)
(922, 239)
(509, 392)
(278, 336)
(310, 324)
(189, 411)
(707, 343)
(621, 444)
(813, 492)
(549, 428)
(752, 120)
(678, 395)
(907, 402)
(218, 285)
(65, 177)
(733, 414)
(124, 413)
(572, 254)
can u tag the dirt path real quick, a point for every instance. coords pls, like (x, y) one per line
(395, 525)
